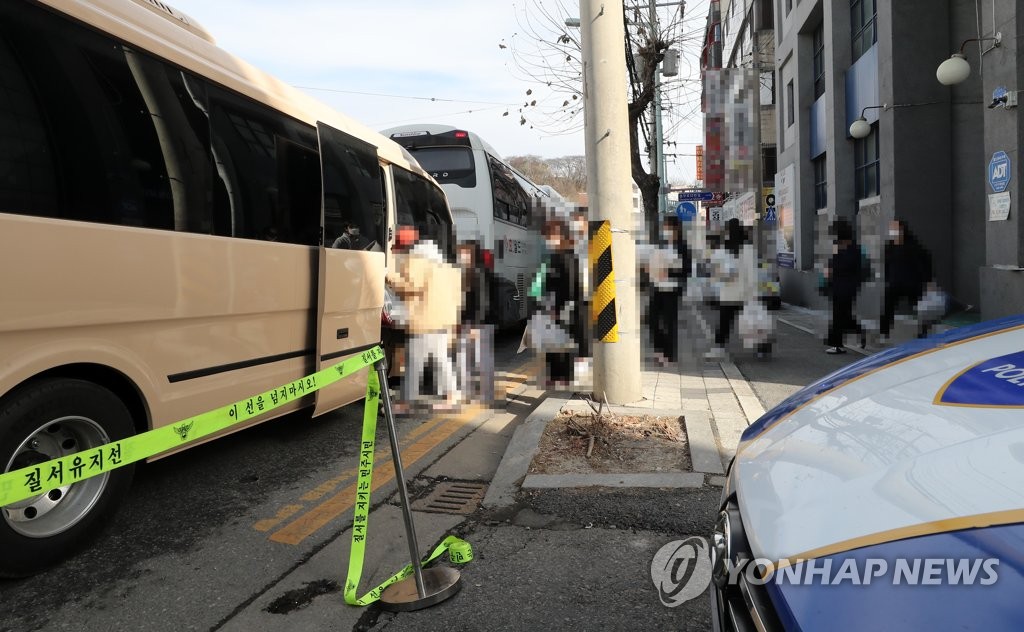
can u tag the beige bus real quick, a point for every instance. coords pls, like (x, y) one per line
(167, 217)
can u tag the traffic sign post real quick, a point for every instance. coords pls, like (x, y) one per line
(999, 171)
(686, 211)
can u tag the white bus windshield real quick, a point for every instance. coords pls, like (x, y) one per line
(448, 165)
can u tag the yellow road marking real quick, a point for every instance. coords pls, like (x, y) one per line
(318, 517)
(283, 514)
(437, 429)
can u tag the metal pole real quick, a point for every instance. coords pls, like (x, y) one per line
(396, 455)
(758, 153)
(657, 140)
(609, 189)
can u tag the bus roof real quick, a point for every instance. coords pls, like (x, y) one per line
(155, 27)
(439, 128)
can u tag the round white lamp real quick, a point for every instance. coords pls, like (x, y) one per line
(953, 71)
(860, 128)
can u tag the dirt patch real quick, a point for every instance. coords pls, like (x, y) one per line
(618, 444)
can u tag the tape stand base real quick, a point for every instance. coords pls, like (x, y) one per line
(427, 587)
(439, 583)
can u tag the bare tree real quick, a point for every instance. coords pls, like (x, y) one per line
(571, 169)
(567, 175)
(545, 53)
(533, 167)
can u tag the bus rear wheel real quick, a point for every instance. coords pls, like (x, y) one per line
(45, 420)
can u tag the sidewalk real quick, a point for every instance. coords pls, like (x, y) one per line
(815, 322)
(713, 398)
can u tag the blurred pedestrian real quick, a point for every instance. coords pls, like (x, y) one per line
(843, 277)
(580, 234)
(908, 271)
(431, 289)
(556, 328)
(474, 357)
(668, 269)
(732, 266)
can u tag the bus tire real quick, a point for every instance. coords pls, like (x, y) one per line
(47, 419)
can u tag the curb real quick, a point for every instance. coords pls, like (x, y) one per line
(516, 462)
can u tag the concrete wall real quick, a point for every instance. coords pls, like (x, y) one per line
(915, 141)
(1002, 290)
(966, 124)
(794, 55)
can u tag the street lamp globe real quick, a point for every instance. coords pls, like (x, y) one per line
(860, 128)
(953, 71)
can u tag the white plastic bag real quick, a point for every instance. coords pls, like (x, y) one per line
(754, 324)
(394, 308)
(931, 306)
(546, 335)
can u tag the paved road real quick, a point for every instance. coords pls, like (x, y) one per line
(204, 531)
(209, 535)
(797, 359)
(580, 559)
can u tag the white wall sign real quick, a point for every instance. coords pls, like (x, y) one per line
(999, 206)
(785, 182)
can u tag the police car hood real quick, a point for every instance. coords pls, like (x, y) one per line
(925, 438)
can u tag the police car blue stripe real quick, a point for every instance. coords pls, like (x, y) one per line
(877, 361)
(881, 605)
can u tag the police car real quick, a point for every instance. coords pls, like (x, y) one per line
(886, 496)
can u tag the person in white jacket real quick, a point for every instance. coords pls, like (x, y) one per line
(733, 272)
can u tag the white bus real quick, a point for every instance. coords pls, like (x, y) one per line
(164, 211)
(491, 204)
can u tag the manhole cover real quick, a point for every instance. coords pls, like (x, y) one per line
(452, 498)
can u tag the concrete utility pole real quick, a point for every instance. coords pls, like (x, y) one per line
(610, 188)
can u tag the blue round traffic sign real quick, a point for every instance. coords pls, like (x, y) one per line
(686, 211)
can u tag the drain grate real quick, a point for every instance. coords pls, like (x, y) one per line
(452, 498)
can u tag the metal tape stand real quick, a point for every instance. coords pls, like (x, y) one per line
(428, 586)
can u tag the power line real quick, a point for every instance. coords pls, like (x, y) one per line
(420, 118)
(403, 96)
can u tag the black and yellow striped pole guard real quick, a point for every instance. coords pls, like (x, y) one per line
(603, 318)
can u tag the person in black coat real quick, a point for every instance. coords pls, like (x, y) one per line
(908, 270)
(843, 277)
(562, 298)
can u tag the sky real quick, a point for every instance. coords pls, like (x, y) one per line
(412, 61)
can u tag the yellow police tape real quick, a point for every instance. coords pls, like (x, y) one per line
(459, 551)
(41, 478)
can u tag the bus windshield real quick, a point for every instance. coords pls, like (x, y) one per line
(452, 165)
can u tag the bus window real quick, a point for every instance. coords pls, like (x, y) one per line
(78, 141)
(448, 165)
(353, 192)
(510, 202)
(267, 166)
(421, 204)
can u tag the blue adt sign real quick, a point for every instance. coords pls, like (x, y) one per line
(686, 211)
(999, 171)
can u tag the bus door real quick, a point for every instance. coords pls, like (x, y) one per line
(351, 260)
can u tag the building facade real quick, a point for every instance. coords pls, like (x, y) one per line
(739, 97)
(926, 159)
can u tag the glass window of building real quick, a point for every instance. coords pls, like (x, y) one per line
(862, 26)
(790, 105)
(820, 182)
(819, 60)
(866, 160)
(767, 14)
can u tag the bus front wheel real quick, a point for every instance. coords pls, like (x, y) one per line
(45, 420)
